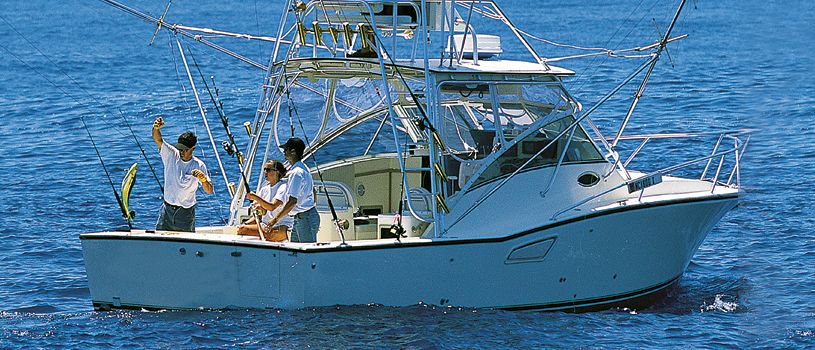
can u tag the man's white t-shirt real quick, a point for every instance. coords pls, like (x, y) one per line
(270, 193)
(300, 186)
(179, 184)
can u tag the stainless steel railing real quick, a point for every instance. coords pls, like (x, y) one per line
(737, 150)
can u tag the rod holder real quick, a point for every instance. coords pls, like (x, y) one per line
(442, 204)
(438, 141)
(363, 35)
(301, 32)
(348, 33)
(335, 35)
(318, 33)
(440, 172)
(248, 127)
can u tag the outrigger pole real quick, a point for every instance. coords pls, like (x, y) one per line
(664, 41)
(160, 22)
(125, 214)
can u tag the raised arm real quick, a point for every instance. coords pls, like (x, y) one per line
(157, 133)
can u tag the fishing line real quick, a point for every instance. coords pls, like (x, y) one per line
(178, 76)
(313, 157)
(591, 69)
(142, 152)
(257, 29)
(88, 93)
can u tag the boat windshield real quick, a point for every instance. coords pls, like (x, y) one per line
(533, 149)
(470, 125)
(480, 118)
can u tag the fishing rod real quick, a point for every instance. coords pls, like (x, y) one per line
(125, 214)
(337, 222)
(233, 145)
(232, 150)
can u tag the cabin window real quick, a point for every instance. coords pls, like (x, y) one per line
(531, 148)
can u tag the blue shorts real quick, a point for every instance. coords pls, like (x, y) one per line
(305, 226)
(176, 218)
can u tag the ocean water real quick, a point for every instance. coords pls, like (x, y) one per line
(745, 64)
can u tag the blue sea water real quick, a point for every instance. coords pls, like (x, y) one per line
(745, 64)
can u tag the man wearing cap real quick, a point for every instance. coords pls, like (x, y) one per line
(182, 174)
(300, 193)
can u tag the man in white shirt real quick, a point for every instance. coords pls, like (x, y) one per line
(300, 192)
(182, 174)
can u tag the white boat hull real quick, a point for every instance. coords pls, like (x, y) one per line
(586, 262)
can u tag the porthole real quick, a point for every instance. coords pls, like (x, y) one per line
(588, 179)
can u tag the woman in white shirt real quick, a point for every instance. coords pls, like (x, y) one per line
(270, 197)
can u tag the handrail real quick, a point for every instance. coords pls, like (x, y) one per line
(648, 137)
(664, 171)
(715, 148)
(738, 160)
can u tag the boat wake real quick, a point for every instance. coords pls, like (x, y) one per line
(722, 303)
(704, 295)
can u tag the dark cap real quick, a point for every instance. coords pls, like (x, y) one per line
(186, 141)
(296, 144)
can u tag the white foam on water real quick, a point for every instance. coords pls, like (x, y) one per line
(720, 304)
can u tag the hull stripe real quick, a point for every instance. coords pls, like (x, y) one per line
(596, 303)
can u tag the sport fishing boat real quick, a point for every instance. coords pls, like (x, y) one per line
(455, 177)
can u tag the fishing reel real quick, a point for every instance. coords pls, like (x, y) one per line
(398, 231)
(343, 224)
(259, 211)
(231, 151)
(228, 148)
(419, 122)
